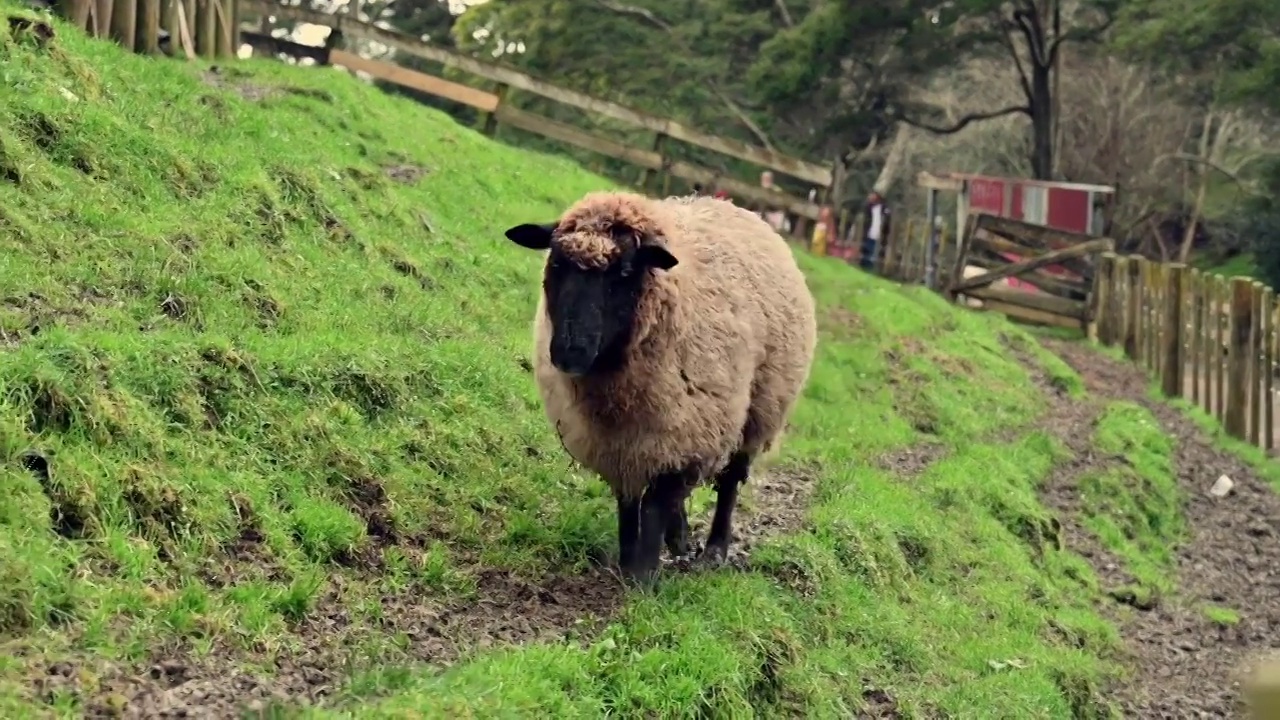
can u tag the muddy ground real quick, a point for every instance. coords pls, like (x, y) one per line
(1184, 665)
(506, 609)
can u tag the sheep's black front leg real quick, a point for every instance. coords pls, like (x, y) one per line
(727, 482)
(661, 502)
(628, 533)
(677, 535)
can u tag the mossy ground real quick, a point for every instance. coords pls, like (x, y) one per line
(259, 360)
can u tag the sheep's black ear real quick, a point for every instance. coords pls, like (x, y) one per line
(534, 237)
(655, 256)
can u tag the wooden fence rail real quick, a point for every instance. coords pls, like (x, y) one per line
(1210, 340)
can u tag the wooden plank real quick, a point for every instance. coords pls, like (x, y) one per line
(1031, 315)
(999, 244)
(561, 132)
(103, 12)
(1105, 322)
(206, 20)
(262, 42)
(1268, 367)
(354, 28)
(1035, 301)
(1195, 289)
(1038, 236)
(124, 19)
(929, 181)
(1174, 358)
(1053, 257)
(1221, 305)
(147, 40)
(430, 84)
(184, 30)
(225, 36)
(963, 243)
(1052, 284)
(1255, 366)
(1241, 317)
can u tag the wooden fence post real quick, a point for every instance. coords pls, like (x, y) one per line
(1104, 284)
(206, 22)
(941, 267)
(1268, 367)
(224, 34)
(1222, 343)
(1196, 341)
(103, 14)
(659, 140)
(1255, 365)
(905, 241)
(124, 19)
(1133, 309)
(1151, 331)
(147, 38)
(491, 119)
(1174, 360)
(964, 239)
(1238, 358)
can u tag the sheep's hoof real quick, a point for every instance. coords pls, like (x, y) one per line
(712, 556)
(641, 577)
(678, 548)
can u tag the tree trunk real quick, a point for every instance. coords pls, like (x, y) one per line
(1041, 122)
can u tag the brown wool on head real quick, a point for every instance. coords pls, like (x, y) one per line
(601, 226)
(589, 250)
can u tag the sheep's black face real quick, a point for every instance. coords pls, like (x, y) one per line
(592, 310)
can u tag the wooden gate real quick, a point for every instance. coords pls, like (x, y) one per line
(1058, 266)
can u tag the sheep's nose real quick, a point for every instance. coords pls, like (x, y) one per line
(573, 356)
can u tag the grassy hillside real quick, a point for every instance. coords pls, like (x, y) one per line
(265, 407)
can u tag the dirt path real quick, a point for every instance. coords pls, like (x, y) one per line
(505, 609)
(1184, 665)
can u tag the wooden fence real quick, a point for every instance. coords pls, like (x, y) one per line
(655, 161)
(974, 267)
(193, 27)
(1209, 339)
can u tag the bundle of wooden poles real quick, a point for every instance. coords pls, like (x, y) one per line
(207, 28)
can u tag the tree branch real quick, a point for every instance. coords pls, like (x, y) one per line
(1079, 35)
(733, 107)
(1031, 30)
(1007, 40)
(784, 12)
(965, 121)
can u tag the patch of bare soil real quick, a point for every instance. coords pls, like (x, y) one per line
(911, 462)
(330, 639)
(406, 173)
(221, 79)
(1184, 665)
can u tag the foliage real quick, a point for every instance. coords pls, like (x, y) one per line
(1261, 225)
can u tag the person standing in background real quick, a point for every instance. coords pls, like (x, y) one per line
(876, 219)
(776, 218)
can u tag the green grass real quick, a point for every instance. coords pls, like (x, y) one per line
(1134, 507)
(224, 325)
(1222, 616)
(1240, 265)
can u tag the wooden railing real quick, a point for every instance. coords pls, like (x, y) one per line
(1209, 339)
(492, 94)
(193, 27)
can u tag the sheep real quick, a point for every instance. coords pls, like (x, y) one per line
(671, 341)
